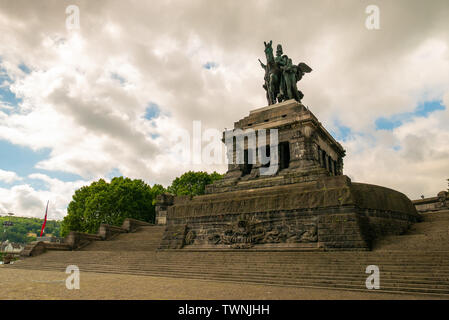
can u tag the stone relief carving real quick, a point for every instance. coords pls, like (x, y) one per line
(242, 233)
(190, 237)
(247, 231)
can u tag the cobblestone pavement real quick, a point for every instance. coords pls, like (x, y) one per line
(34, 285)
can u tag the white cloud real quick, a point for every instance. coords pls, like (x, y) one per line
(8, 176)
(419, 167)
(25, 200)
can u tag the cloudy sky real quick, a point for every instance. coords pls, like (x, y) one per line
(111, 97)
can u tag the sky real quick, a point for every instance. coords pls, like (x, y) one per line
(114, 96)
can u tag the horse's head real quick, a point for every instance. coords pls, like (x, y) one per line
(268, 47)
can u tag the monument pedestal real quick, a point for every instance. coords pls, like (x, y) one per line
(307, 202)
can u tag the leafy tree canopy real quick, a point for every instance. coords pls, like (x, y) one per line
(193, 183)
(110, 203)
(122, 198)
(156, 190)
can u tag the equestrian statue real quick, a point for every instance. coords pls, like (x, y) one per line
(281, 75)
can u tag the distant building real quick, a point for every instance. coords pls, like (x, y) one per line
(10, 247)
(31, 234)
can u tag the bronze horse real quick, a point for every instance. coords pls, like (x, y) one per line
(273, 74)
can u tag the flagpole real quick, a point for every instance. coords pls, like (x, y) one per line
(45, 219)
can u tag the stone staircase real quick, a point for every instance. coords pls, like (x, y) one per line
(412, 263)
(146, 238)
(431, 234)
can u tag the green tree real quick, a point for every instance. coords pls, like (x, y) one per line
(109, 203)
(193, 183)
(156, 190)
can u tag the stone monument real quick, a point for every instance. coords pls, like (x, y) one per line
(304, 203)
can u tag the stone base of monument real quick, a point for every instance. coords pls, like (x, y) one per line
(331, 213)
(307, 204)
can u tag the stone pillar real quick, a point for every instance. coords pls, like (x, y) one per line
(163, 201)
(305, 153)
(339, 166)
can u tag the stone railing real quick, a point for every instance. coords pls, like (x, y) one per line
(77, 240)
(107, 231)
(130, 225)
(440, 202)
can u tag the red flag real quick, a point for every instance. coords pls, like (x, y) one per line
(45, 221)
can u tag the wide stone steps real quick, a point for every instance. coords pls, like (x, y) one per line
(154, 259)
(323, 264)
(352, 283)
(339, 274)
(349, 281)
(437, 259)
(417, 274)
(431, 234)
(423, 269)
(425, 272)
(408, 264)
(437, 216)
(145, 238)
